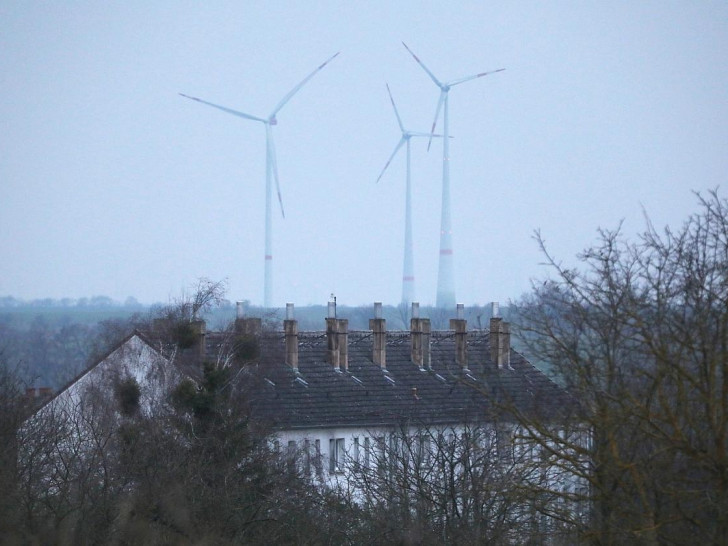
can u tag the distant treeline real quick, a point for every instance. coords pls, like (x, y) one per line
(53, 340)
(93, 302)
(90, 310)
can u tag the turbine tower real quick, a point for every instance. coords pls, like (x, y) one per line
(408, 271)
(271, 172)
(445, 275)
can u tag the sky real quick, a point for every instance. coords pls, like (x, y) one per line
(112, 184)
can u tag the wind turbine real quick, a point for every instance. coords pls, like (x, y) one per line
(445, 278)
(271, 172)
(408, 273)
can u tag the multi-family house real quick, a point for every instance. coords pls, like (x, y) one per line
(362, 409)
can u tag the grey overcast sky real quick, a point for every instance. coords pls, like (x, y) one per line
(112, 184)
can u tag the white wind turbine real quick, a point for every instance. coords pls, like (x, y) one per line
(271, 171)
(445, 278)
(408, 273)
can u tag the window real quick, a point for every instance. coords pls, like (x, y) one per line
(381, 453)
(356, 450)
(394, 452)
(307, 457)
(367, 451)
(336, 455)
(291, 454)
(423, 450)
(504, 445)
(317, 461)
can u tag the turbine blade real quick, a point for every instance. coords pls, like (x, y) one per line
(391, 157)
(293, 91)
(224, 109)
(437, 115)
(274, 166)
(438, 83)
(396, 113)
(429, 135)
(468, 78)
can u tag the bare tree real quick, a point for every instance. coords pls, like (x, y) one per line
(65, 470)
(14, 407)
(640, 336)
(448, 485)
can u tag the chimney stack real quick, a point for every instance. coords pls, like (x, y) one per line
(420, 338)
(343, 333)
(378, 325)
(246, 325)
(290, 328)
(337, 334)
(252, 326)
(460, 325)
(199, 329)
(500, 342)
(332, 343)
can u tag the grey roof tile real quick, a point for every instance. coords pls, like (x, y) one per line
(364, 395)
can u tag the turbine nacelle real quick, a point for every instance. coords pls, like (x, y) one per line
(410, 134)
(445, 86)
(406, 135)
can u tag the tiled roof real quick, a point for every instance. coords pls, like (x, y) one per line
(364, 395)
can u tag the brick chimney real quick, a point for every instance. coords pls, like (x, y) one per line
(500, 342)
(246, 325)
(420, 338)
(337, 336)
(199, 329)
(343, 333)
(378, 326)
(460, 325)
(290, 328)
